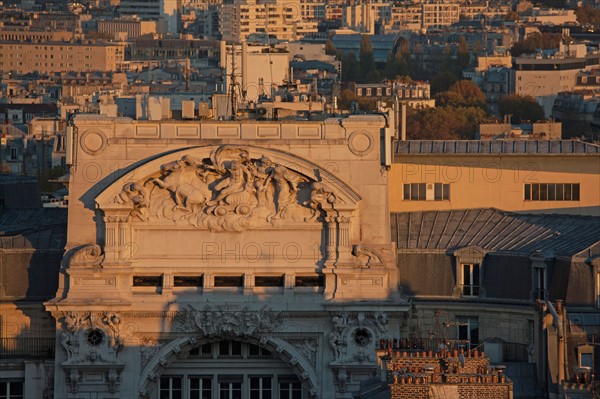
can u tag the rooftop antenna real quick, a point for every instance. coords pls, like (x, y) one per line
(234, 86)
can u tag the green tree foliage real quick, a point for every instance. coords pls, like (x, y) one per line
(444, 123)
(588, 15)
(536, 41)
(350, 67)
(521, 108)
(367, 59)
(463, 93)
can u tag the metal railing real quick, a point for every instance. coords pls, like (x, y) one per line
(27, 347)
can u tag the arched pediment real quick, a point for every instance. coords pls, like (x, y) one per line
(227, 188)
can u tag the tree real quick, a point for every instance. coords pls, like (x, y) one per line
(350, 67)
(536, 41)
(367, 59)
(463, 54)
(511, 16)
(587, 15)
(330, 48)
(521, 108)
(444, 123)
(442, 81)
(463, 93)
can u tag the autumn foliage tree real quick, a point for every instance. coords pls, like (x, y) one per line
(463, 93)
(521, 108)
(444, 123)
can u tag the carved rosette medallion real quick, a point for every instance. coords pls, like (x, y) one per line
(353, 337)
(92, 342)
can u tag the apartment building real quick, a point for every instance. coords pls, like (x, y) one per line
(132, 28)
(533, 176)
(153, 10)
(49, 57)
(25, 35)
(414, 94)
(426, 15)
(544, 77)
(281, 20)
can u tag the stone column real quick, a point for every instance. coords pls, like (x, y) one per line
(331, 238)
(344, 243)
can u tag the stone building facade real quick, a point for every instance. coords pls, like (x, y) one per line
(236, 259)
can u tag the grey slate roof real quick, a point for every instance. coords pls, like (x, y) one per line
(476, 147)
(495, 231)
(39, 228)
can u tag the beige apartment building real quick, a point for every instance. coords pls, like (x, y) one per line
(520, 176)
(429, 15)
(49, 57)
(131, 27)
(279, 19)
(22, 35)
(544, 78)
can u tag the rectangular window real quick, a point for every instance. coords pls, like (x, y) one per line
(13, 153)
(11, 389)
(204, 351)
(257, 351)
(468, 329)
(426, 192)
(188, 281)
(290, 389)
(551, 192)
(261, 388)
(170, 388)
(268, 281)
(539, 281)
(200, 387)
(229, 281)
(147, 281)
(470, 279)
(310, 281)
(586, 360)
(230, 388)
(230, 348)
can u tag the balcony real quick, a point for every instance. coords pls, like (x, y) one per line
(26, 348)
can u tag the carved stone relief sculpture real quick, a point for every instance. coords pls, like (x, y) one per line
(226, 321)
(353, 338)
(229, 191)
(91, 342)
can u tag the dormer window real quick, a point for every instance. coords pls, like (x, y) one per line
(470, 279)
(540, 261)
(469, 272)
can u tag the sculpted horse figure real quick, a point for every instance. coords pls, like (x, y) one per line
(182, 179)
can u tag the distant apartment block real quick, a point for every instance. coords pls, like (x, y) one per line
(544, 77)
(24, 35)
(49, 57)
(131, 27)
(551, 16)
(426, 15)
(414, 94)
(168, 10)
(278, 19)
